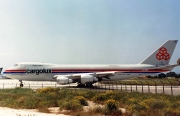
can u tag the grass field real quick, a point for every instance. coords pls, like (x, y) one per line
(149, 81)
(107, 103)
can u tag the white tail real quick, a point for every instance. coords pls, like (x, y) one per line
(162, 55)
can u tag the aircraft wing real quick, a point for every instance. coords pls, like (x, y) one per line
(98, 75)
(104, 74)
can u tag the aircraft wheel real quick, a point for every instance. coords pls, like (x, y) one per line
(21, 85)
(81, 85)
(89, 85)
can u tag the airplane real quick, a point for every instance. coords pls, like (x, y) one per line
(87, 75)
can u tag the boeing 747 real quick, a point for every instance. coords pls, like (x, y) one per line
(87, 75)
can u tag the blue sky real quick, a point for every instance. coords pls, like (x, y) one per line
(86, 31)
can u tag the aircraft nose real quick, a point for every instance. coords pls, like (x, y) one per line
(5, 73)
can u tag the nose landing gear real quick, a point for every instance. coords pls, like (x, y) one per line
(21, 83)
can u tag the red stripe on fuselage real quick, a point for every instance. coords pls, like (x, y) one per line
(15, 70)
(96, 70)
(103, 70)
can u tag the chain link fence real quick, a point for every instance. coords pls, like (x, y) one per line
(129, 86)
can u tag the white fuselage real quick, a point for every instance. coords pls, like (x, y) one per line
(46, 71)
(155, 63)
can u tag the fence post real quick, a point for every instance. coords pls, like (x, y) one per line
(42, 85)
(3, 85)
(142, 86)
(131, 86)
(155, 87)
(98, 87)
(69, 86)
(171, 87)
(116, 86)
(112, 86)
(109, 86)
(136, 86)
(148, 86)
(121, 86)
(101, 86)
(125, 86)
(124, 83)
(163, 85)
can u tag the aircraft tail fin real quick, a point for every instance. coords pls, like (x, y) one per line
(162, 55)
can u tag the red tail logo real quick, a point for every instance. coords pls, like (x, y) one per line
(163, 54)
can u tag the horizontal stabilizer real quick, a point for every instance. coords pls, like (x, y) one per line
(167, 67)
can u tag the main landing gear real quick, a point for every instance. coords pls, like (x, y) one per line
(89, 85)
(21, 83)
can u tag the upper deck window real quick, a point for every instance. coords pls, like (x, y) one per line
(16, 65)
(37, 65)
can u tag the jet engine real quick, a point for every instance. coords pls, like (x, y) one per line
(88, 79)
(63, 80)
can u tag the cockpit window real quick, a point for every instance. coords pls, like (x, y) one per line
(16, 65)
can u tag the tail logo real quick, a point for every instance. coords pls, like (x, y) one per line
(163, 54)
